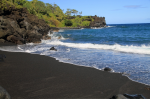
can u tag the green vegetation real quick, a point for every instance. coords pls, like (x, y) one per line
(51, 13)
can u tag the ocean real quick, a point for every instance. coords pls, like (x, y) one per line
(125, 48)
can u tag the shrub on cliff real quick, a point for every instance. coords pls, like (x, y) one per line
(85, 23)
(7, 4)
(68, 23)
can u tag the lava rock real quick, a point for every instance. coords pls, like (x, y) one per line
(127, 96)
(98, 21)
(134, 96)
(119, 96)
(107, 69)
(2, 41)
(53, 48)
(19, 26)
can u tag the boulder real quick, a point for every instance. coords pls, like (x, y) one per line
(134, 96)
(14, 39)
(2, 41)
(4, 94)
(25, 24)
(107, 69)
(33, 36)
(53, 48)
(127, 96)
(2, 33)
(119, 96)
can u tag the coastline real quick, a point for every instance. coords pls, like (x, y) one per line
(69, 28)
(26, 75)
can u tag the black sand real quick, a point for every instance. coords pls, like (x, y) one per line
(32, 76)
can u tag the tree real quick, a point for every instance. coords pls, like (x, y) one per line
(30, 6)
(80, 12)
(68, 23)
(40, 7)
(68, 12)
(49, 8)
(74, 11)
(20, 2)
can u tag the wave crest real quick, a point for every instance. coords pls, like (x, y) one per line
(116, 47)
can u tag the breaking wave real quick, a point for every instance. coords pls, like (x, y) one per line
(143, 49)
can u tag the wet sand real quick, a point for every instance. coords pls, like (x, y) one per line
(33, 76)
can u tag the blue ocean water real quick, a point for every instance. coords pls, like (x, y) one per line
(125, 48)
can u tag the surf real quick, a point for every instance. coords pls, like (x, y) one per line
(143, 49)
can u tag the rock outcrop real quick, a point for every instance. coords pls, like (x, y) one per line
(98, 21)
(20, 27)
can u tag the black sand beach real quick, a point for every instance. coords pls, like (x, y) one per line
(31, 76)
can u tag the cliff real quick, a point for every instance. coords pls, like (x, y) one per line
(20, 27)
(98, 21)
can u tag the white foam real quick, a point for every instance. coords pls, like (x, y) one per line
(110, 26)
(56, 35)
(61, 30)
(96, 27)
(116, 47)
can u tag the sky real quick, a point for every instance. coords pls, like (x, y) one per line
(114, 11)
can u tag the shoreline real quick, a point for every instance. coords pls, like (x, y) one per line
(27, 75)
(111, 71)
(69, 28)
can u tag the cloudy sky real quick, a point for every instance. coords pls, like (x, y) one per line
(115, 11)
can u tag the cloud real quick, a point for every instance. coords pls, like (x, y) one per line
(133, 6)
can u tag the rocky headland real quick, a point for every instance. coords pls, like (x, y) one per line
(98, 21)
(19, 26)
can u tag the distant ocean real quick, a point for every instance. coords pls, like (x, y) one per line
(125, 48)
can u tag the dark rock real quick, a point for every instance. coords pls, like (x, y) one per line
(107, 69)
(134, 96)
(2, 41)
(53, 48)
(14, 39)
(25, 24)
(33, 36)
(98, 21)
(53, 29)
(127, 96)
(51, 32)
(46, 37)
(19, 26)
(119, 96)
(4, 94)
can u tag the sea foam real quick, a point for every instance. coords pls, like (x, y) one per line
(143, 49)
